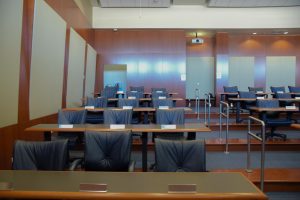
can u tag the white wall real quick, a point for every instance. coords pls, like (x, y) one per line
(197, 17)
(11, 13)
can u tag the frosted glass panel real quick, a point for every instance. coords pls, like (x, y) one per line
(10, 45)
(199, 75)
(241, 72)
(90, 71)
(47, 62)
(280, 71)
(115, 74)
(75, 70)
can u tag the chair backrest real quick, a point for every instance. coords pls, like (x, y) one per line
(162, 102)
(230, 89)
(99, 102)
(110, 92)
(170, 116)
(137, 88)
(294, 89)
(51, 155)
(256, 89)
(267, 103)
(71, 117)
(243, 94)
(107, 151)
(280, 89)
(117, 116)
(136, 94)
(158, 94)
(283, 95)
(180, 156)
(128, 102)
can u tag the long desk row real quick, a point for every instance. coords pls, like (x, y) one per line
(145, 129)
(126, 185)
(256, 109)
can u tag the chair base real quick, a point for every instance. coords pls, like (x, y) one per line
(273, 135)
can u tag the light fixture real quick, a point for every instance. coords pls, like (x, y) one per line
(254, 33)
(285, 32)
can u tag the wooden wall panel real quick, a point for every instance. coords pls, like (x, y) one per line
(155, 58)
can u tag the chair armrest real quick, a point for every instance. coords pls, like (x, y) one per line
(131, 166)
(75, 164)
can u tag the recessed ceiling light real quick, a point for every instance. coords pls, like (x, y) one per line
(254, 33)
(285, 32)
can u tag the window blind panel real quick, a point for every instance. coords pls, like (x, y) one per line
(75, 69)
(280, 71)
(47, 62)
(241, 72)
(10, 47)
(199, 75)
(90, 71)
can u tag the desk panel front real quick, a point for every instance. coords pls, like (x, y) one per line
(126, 185)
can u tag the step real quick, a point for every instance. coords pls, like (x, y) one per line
(235, 144)
(275, 180)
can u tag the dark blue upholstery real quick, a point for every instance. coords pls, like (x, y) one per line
(117, 116)
(137, 88)
(277, 89)
(71, 117)
(99, 102)
(128, 102)
(256, 89)
(93, 117)
(51, 155)
(170, 116)
(230, 89)
(137, 94)
(110, 92)
(180, 156)
(107, 151)
(272, 119)
(293, 89)
(162, 102)
(247, 104)
(156, 94)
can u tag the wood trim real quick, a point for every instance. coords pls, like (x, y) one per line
(25, 61)
(66, 65)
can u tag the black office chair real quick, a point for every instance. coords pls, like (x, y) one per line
(71, 117)
(108, 151)
(162, 102)
(180, 156)
(110, 91)
(293, 89)
(137, 89)
(159, 94)
(274, 90)
(117, 116)
(52, 155)
(247, 104)
(230, 89)
(284, 96)
(159, 90)
(134, 103)
(272, 119)
(256, 89)
(135, 94)
(170, 116)
(94, 117)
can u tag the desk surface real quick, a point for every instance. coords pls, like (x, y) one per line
(137, 109)
(188, 127)
(297, 126)
(65, 185)
(279, 109)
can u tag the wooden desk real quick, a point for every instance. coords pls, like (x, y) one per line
(127, 186)
(145, 129)
(297, 126)
(144, 110)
